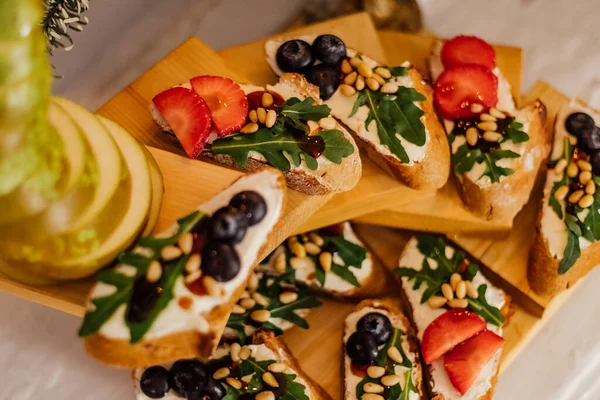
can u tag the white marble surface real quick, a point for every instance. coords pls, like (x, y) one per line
(40, 357)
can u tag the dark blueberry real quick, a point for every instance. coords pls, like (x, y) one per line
(144, 297)
(589, 141)
(220, 261)
(595, 160)
(362, 348)
(282, 388)
(329, 49)
(188, 376)
(251, 204)
(376, 324)
(227, 226)
(578, 123)
(213, 390)
(326, 78)
(155, 382)
(294, 56)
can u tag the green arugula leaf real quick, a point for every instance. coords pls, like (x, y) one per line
(295, 112)
(293, 389)
(592, 219)
(360, 101)
(337, 146)
(513, 132)
(572, 253)
(410, 387)
(352, 254)
(406, 115)
(465, 159)
(573, 224)
(398, 71)
(555, 204)
(481, 307)
(492, 169)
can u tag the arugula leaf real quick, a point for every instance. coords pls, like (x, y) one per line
(492, 169)
(398, 71)
(573, 224)
(360, 101)
(572, 253)
(352, 254)
(513, 132)
(293, 389)
(294, 112)
(592, 219)
(465, 159)
(410, 387)
(406, 115)
(481, 307)
(336, 146)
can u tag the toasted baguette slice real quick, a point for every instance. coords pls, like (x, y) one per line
(429, 164)
(546, 272)
(414, 287)
(410, 367)
(308, 267)
(267, 349)
(329, 177)
(188, 319)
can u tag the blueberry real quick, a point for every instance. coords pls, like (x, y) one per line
(227, 226)
(143, 298)
(589, 141)
(578, 123)
(326, 78)
(362, 348)
(188, 376)
(155, 382)
(220, 261)
(213, 390)
(294, 56)
(377, 325)
(329, 49)
(251, 204)
(595, 160)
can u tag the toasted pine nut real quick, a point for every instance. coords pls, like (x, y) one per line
(346, 67)
(312, 248)
(271, 118)
(185, 242)
(288, 297)
(245, 352)
(586, 201)
(234, 351)
(350, 78)
(248, 303)
(383, 72)
(260, 299)
(364, 70)
(298, 263)
(488, 126)
(576, 196)
(572, 170)
(447, 291)
(360, 83)
(584, 165)
(291, 240)
(561, 193)
(375, 371)
(476, 108)
(585, 177)
(316, 239)
(193, 263)
(234, 383)
(487, 117)
(371, 396)
(347, 90)
(492, 136)
(454, 279)
(298, 250)
(560, 166)
(169, 253)
(253, 282)
(277, 367)
(471, 291)
(394, 354)
(436, 302)
(193, 277)
(372, 84)
(260, 315)
(355, 62)
(371, 387)
(267, 100)
(327, 123)
(572, 140)
(494, 112)
(253, 116)
(221, 373)
(237, 309)
(379, 79)
(262, 115)
(250, 127)
(270, 380)
(212, 286)
(325, 259)
(391, 380)
(154, 272)
(245, 295)
(461, 290)
(280, 262)
(590, 187)
(389, 88)
(472, 136)
(458, 303)
(267, 394)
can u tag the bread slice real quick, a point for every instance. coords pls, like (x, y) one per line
(500, 201)
(551, 239)
(355, 376)
(328, 178)
(307, 266)
(415, 269)
(265, 349)
(184, 313)
(428, 167)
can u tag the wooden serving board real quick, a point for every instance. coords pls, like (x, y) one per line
(440, 210)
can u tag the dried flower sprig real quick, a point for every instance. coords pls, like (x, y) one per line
(61, 17)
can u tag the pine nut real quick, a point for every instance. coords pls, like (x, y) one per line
(271, 118)
(383, 72)
(372, 84)
(250, 127)
(234, 383)
(487, 117)
(391, 380)
(488, 126)
(270, 380)
(347, 90)
(586, 201)
(267, 394)
(590, 187)
(389, 88)
(350, 78)
(298, 250)
(288, 297)
(253, 116)
(494, 112)
(221, 373)
(360, 83)
(234, 351)
(260, 299)
(277, 367)
(212, 286)
(436, 302)
(267, 100)
(169, 253)
(458, 303)
(253, 282)
(379, 79)
(394, 354)
(245, 353)
(280, 262)
(572, 170)
(472, 136)
(560, 166)
(476, 108)
(313, 128)
(355, 62)
(297, 263)
(561, 193)
(325, 259)
(248, 304)
(492, 136)
(312, 248)
(237, 309)
(262, 115)
(327, 123)
(371, 387)
(260, 315)
(576, 196)
(245, 295)
(185, 242)
(346, 67)
(193, 277)
(584, 165)
(585, 177)
(375, 371)
(572, 140)
(371, 396)
(454, 279)
(461, 290)
(471, 291)
(291, 240)
(304, 237)
(154, 272)
(447, 291)
(193, 263)
(364, 70)
(316, 239)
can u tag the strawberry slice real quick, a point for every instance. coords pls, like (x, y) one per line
(448, 330)
(464, 363)
(226, 100)
(460, 87)
(468, 50)
(187, 115)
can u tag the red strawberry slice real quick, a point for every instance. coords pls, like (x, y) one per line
(448, 330)
(225, 99)
(460, 87)
(464, 363)
(468, 50)
(187, 115)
